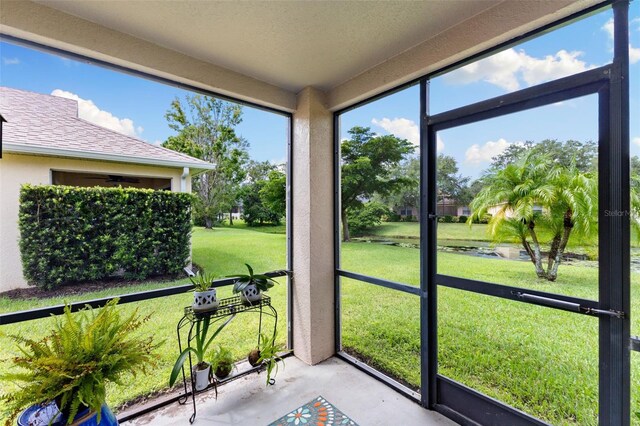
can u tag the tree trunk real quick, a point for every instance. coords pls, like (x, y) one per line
(208, 223)
(537, 253)
(555, 244)
(231, 217)
(527, 248)
(568, 226)
(345, 226)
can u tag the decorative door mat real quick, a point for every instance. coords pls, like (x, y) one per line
(317, 412)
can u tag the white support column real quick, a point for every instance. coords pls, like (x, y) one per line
(183, 179)
(313, 293)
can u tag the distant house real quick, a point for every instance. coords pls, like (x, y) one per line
(450, 207)
(446, 207)
(45, 142)
(408, 212)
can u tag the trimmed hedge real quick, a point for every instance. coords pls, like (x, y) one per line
(70, 234)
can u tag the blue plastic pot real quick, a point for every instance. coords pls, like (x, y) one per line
(83, 418)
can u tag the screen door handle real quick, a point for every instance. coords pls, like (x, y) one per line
(567, 306)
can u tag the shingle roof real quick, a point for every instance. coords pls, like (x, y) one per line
(49, 125)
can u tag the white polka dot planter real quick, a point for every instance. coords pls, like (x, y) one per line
(205, 300)
(251, 294)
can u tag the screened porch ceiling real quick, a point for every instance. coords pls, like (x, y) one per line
(266, 52)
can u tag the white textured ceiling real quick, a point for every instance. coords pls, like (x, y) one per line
(291, 44)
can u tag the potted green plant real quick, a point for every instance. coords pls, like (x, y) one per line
(202, 370)
(204, 297)
(63, 376)
(251, 285)
(269, 355)
(222, 362)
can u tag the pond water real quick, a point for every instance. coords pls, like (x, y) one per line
(487, 250)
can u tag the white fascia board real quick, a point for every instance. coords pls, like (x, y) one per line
(70, 153)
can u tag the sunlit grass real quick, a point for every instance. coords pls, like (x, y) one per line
(540, 360)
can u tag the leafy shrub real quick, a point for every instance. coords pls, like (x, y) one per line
(484, 219)
(367, 216)
(393, 217)
(462, 219)
(71, 234)
(448, 219)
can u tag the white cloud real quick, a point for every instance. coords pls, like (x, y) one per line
(551, 67)
(10, 61)
(477, 154)
(511, 69)
(608, 28)
(280, 162)
(405, 129)
(634, 52)
(636, 140)
(87, 110)
(499, 69)
(400, 127)
(68, 62)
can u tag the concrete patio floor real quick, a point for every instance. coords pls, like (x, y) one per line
(246, 401)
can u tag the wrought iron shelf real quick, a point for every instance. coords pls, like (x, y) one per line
(227, 307)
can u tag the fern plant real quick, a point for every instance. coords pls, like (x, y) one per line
(222, 361)
(73, 364)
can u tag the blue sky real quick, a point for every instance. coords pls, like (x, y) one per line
(585, 44)
(136, 106)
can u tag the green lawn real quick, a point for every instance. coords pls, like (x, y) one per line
(449, 231)
(269, 229)
(537, 359)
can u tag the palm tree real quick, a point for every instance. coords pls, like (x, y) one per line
(536, 194)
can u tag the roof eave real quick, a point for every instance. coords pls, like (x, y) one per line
(99, 156)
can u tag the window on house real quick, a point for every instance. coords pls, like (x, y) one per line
(109, 180)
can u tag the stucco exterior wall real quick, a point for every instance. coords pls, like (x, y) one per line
(16, 170)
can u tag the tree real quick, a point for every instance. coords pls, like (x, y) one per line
(567, 196)
(581, 155)
(274, 193)
(205, 129)
(263, 195)
(366, 163)
(407, 195)
(450, 184)
(469, 192)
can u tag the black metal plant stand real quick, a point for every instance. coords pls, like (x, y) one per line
(228, 306)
